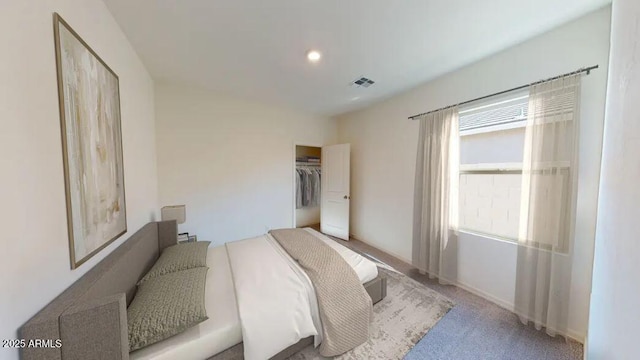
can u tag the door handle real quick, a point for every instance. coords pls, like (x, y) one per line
(347, 197)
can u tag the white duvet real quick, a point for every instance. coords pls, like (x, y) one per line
(273, 300)
(276, 301)
(258, 295)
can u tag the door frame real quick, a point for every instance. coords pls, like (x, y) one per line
(293, 177)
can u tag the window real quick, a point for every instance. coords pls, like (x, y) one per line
(491, 152)
(492, 141)
(490, 203)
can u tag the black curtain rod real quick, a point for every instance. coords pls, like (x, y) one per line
(581, 70)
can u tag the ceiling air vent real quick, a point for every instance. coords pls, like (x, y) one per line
(362, 82)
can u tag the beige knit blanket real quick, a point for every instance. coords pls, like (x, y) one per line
(345, 307)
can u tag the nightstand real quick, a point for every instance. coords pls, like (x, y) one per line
(185, 237)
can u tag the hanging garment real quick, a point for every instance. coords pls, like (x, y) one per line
(313, 182)
(298, 189)
(316, 188)
(308, 191)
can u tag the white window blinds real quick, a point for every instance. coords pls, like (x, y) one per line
(513, 110)
(499, 113)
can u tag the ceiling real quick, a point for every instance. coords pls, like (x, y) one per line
(255, 49)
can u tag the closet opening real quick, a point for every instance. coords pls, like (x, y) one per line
(307, 186)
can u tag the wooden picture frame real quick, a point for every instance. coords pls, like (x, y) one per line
(90, 121)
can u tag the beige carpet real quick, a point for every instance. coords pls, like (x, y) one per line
(399, 321)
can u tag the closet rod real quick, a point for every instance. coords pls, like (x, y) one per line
(581, 70)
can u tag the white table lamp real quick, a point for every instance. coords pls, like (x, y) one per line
(175, 212)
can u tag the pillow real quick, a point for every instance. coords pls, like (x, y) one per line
(179, 257)
(166, 306)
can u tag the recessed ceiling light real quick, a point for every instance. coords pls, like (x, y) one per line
(313, 55)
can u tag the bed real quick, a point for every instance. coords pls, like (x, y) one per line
(101, 296)
(220, 332)
(224, 329)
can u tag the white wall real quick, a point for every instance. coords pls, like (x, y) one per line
(384, 151)
(230, 161)
(308, 216)
(34, 261)
(615, 315)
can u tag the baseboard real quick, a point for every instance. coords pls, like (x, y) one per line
(585, 346)
(507, 305)
(571, 334)
(399, 257)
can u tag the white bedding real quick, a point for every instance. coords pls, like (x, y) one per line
(273, 299)
(220, 332)
(265, 277)
(276, 300)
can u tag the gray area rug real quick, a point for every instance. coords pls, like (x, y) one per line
(399, 321)
(476, 328)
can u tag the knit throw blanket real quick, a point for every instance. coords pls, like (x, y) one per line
(345, 307)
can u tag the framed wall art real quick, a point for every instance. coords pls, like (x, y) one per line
(89, 100)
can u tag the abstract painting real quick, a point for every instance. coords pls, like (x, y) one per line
(89, 100)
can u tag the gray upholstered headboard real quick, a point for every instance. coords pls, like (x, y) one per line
(90, 317)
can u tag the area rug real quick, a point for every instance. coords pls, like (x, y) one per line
(400, 320)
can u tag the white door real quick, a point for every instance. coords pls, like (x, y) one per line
(334, 212)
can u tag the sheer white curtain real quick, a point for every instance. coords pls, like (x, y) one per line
(547, 216)
(435, 216)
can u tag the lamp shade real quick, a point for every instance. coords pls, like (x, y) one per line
(175, 212)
